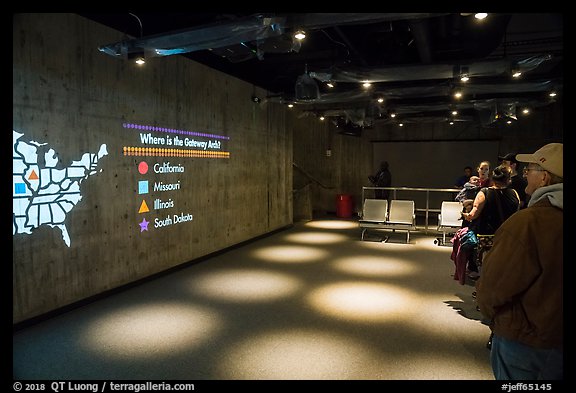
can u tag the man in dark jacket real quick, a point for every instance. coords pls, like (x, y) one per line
(382, 179)
(520, 288)
(517, 181)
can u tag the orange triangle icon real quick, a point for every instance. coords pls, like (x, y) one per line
(143, 207)
(33, 175)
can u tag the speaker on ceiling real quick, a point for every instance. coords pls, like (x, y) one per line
(306, 88)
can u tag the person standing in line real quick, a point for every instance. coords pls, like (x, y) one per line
(517, 181)
(494, 204)
(465, 178)
(491, 207)
(484, 173)
(483, 170)
(521, 287)
(382, 179)
(467, 195)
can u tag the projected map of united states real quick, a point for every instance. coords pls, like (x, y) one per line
(45, 195)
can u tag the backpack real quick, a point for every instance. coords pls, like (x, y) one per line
(469, 240)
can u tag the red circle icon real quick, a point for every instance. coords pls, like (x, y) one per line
(143, 168)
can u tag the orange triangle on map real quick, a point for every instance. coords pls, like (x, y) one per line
(143, 207)
(33, 175)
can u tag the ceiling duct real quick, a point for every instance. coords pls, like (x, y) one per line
(428, 71)
(348, 128)
(421, 32)
(218, 35)
(250, 29)
(499, 111)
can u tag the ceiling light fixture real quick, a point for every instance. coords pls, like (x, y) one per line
(366, 84)
(300, 35)
(480, 15)
(464, 74)
(137, 57)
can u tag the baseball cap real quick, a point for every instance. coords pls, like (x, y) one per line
(509, 157)
(550, 157)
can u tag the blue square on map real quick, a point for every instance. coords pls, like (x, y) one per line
(19, 188)
(143, 187)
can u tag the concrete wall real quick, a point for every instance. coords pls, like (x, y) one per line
(320, 177)
(72, 98)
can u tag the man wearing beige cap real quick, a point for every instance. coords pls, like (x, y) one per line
(520, 288)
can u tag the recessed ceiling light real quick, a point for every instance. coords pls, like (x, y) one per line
(300, 35)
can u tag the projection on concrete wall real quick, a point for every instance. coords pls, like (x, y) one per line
(157, 198)
(175, 143)
(44, 195)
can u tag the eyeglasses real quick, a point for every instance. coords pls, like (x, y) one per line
(526, 170)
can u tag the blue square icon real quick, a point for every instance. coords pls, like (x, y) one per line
(143, 187)
(19, 188)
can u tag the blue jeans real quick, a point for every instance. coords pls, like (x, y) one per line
(512, 360)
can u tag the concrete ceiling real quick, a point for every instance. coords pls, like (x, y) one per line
(413, 60)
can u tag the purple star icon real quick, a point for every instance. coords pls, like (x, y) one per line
(144, 225)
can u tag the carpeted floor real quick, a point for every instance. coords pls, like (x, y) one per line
(313, 302)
